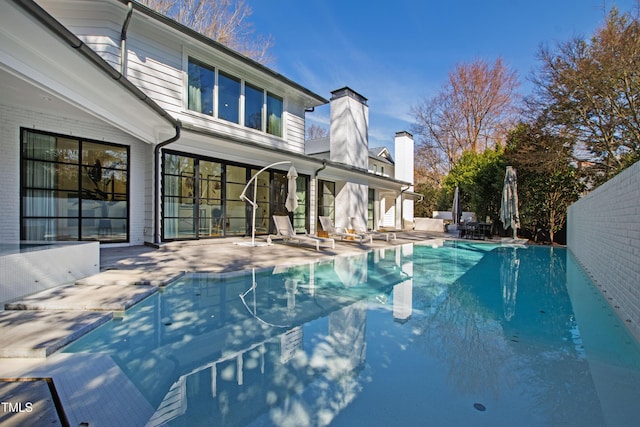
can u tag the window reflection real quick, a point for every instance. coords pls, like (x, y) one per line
(200, 92)
(253, 106)
(228, 98)
(73, 189)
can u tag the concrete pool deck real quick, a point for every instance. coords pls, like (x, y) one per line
(92, 389)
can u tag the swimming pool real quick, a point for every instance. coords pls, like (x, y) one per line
(442, 333)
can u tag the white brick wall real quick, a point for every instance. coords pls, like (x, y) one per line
(604, 236)
(82, 126)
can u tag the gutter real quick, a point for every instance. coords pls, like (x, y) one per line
(67, 36)
(124, 55)
(324, 165)
(49, 22)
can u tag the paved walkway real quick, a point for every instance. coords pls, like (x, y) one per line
(35, 327)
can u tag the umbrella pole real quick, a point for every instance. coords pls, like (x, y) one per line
(254, 202)
(253, 224)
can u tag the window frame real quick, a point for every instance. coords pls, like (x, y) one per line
(80, 223)
(269, 99)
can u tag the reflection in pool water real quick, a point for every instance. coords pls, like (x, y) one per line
(437, 334)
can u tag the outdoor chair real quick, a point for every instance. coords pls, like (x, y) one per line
(285, 232)
(344, 234)
(386, 235)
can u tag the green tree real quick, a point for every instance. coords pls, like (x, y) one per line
(590, 89)
(547, 180)
(479, 177)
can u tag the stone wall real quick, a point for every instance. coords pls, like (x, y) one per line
(603, 233)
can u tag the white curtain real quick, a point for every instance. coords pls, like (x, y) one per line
(40, 201)
(195, 91)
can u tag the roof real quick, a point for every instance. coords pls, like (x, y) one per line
(319, 100)
(381, 154)
(34, 37)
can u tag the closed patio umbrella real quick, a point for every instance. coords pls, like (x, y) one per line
(509, 205)
(292, 199)
(456, 209)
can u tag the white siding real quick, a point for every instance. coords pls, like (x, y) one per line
(156, 62)
(155, 66)
(295, 133)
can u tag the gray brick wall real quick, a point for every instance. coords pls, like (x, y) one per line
(604, 236)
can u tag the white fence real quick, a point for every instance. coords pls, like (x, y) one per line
(603, 233)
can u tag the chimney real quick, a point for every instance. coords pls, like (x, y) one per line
(349, 132)
(403, 156)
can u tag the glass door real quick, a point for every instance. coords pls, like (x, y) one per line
(210, 218)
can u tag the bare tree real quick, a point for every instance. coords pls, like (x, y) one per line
(473, 111)
(316, 132)
(591, 89)
(222, 20)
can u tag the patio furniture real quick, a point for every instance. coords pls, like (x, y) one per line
(286, 233)
(386, 235)
(475, 230)
(344, 234)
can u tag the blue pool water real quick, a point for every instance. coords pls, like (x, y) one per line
(428, 334)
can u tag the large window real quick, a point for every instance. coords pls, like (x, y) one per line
(73, 189)
(257, 109)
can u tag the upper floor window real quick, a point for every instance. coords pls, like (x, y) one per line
(253, 106)
(201, 80)
(234, 100)
(228, 98)
(274, 114)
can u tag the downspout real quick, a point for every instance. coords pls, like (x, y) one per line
(324, 165)
(156, 184)
(124, 56)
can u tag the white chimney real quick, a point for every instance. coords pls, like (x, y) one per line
(349, 128)
(403, 157)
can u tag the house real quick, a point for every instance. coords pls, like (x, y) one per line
(122, 126)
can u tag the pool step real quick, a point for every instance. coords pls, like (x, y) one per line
(84, 298)
(37, 334)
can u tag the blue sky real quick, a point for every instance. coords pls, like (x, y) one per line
(397, 52)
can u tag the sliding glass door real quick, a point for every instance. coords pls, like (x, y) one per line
(201, 198)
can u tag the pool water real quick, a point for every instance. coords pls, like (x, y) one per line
(441, 333)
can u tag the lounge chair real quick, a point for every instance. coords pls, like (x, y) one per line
(285, 231)
(386, 235)
(327, 225)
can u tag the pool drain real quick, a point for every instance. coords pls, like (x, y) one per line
(480, 407)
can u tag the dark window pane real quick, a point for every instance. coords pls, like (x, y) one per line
(200, 91)
(253, 105)
(228, 98)
(66, 200)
